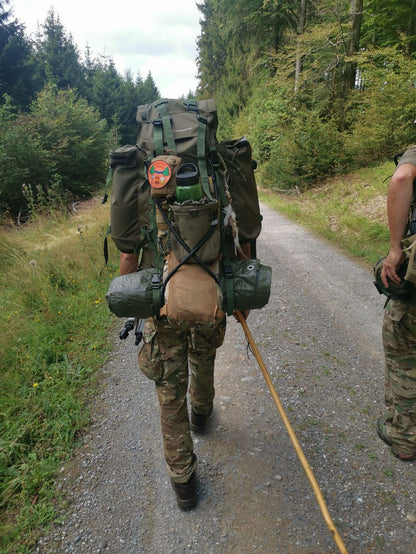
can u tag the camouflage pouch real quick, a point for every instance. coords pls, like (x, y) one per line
(409, 249)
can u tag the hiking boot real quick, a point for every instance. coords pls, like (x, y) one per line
(198, 421)
(186, 497)
(382, 433)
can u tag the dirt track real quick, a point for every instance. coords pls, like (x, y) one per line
(320, 338)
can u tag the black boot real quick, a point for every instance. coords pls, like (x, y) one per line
(186, 493)
(198, 421)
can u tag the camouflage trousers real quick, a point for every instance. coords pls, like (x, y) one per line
(399, 341)
(175, 355)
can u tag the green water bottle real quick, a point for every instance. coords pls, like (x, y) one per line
(188, 186)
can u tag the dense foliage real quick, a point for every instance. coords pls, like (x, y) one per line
(320, 86)
(59, 114)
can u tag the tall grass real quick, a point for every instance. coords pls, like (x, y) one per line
(54, 326)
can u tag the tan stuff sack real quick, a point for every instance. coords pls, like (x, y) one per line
(191, 294)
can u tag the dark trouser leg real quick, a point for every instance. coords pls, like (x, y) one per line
(164, 358)
(177, 441)
(202, 351)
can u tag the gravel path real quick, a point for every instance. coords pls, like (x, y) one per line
(320, 338)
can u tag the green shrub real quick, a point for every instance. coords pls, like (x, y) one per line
(75, 138)
(385, 113)
(305, 150)
(55, 154)
(24, 165)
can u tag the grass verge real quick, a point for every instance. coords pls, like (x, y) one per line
(54, 327)
(348, 211)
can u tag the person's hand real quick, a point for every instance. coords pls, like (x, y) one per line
(391, 264)
(244, 313)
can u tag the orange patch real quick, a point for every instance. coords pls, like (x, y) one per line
(159, 174)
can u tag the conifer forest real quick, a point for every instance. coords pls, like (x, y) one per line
(320, 87)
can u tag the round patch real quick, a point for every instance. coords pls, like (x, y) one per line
(159, 174)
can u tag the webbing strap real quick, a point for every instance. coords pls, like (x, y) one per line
(158, 136)
(158, 258)
(228, 272)
(105, 248)
(201, 155)
(221, 191)
(192, 105)
(156, 292)
(167, 127)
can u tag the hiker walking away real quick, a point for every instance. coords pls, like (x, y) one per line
(185, 209)
(398, 426)
(168, 347)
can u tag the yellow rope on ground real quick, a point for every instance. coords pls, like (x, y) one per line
(293, 437)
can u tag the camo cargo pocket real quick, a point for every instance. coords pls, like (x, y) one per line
(197, 225)
(150, 360)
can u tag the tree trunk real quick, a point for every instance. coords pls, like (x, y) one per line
(353, 44)
(412, 27)
(301, 27)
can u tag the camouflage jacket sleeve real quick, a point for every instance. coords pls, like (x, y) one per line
(409, 157)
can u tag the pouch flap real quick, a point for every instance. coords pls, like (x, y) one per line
(125, 156)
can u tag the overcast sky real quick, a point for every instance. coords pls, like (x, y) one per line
(141, 35)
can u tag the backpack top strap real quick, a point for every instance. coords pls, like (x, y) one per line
(158, 137)
(166, 124)
(201, 155)
(192, 106)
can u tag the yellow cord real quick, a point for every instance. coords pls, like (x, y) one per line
(293, 437)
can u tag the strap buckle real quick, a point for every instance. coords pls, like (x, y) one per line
(192, 106)
(228, 272)
(155, 281)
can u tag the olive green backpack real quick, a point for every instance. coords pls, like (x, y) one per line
(185, 130)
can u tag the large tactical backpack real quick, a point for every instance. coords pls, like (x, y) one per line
(194, 242)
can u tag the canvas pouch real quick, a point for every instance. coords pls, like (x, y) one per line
(129, 198)
(195, 221)
(191, 294)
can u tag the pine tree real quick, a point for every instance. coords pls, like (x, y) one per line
(17, 72)
(57, 55)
